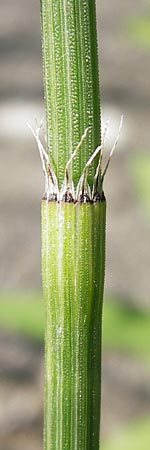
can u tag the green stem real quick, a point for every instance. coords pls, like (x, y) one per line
(73, 226)
(73, 255)
(71, 82)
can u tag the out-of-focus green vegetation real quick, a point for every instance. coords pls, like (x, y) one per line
(135, 437)
(23, 313)
(124, 328)
(140, 172)
(138, 29)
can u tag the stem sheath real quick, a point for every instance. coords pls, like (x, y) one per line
(73, 255)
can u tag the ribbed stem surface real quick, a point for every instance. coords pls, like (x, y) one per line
(73, 255)
(71, 82)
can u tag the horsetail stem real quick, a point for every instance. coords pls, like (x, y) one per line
(71, 82)
(73, 258)
(73, 226)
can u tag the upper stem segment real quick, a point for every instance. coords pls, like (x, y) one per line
(71, 83)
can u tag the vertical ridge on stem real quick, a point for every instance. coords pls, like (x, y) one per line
(71, 82)
(73, 254)
(73, 226)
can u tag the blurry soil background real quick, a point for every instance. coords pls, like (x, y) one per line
(124, 44)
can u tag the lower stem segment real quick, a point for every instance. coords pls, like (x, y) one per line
(73, 258)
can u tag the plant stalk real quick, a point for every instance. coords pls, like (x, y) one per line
(73, 258)
(71, 82)
(73, 226)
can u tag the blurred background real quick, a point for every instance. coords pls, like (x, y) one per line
(124, 47)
